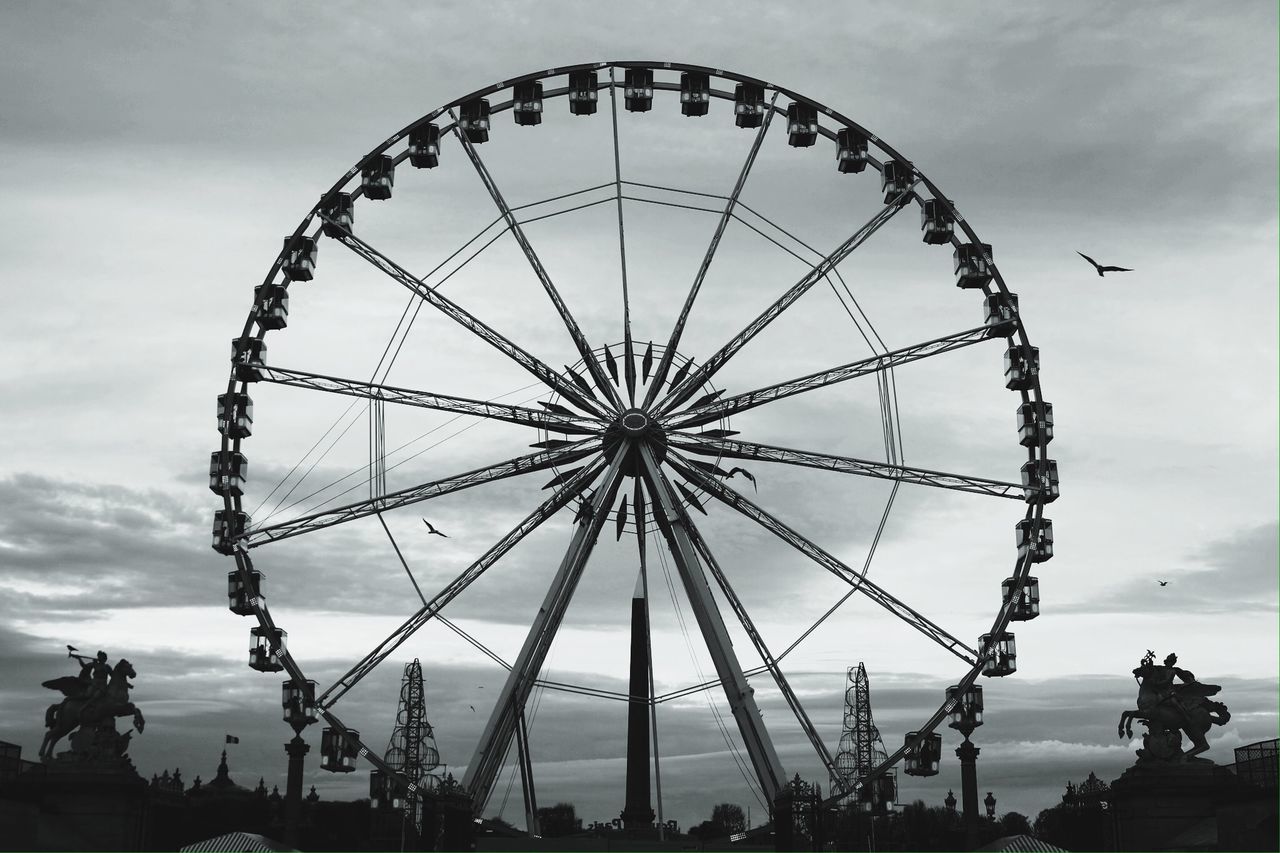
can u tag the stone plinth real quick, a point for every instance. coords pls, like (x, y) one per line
(91, 808)
(1172, 805)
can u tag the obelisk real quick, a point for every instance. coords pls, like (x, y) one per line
(637, 814)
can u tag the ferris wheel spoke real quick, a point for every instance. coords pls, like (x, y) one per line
(521, 415)
(538, 368)
(628, 346)
(393, 500)
(818, 272)
(864, 585)
(432, 608)
(727, 406)
(748, 625)
(675, 528)
(844, 464)
(589, 358)
(482, 769)
(664, 365)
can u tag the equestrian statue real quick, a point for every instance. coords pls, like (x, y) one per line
(1169, 709)
(94, 698)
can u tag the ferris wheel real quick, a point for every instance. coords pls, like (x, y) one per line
(644, 435)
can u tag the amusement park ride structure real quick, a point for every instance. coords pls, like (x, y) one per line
(635, 433)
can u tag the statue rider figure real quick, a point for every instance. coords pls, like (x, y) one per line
(1161, 680)
(94, 675)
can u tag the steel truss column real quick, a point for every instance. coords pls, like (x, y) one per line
(736, 688)
(483, 768)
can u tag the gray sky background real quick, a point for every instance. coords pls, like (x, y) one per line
(154, 155)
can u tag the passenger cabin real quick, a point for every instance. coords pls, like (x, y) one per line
(378, 177)
(802, 125)
(1040, 481)
(1041, 548)
(526, 103)
(1001, 655)
(972, 265)
(937, 221)
(298, 699)
(235, 415)
(748, 105)
(1001, 313)
(299, 257)
(339, 750)
(851, 150)
(272, 303)
(228, 529)
(896, 178)
(248, 354)
(474, 120)
(424, 146)
(637, 89)
(239, 597)
(262, 656)
(966, 707)
(228, 470)
(583, 92)
(1027, 607)
(342, 212)
(1021, 367)
(1035, 421)
(923, 758)
(695, 93)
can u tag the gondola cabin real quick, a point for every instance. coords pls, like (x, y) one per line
(1040, 481)
(695, 93)
(583, 94)
(339, 750)
(262, 656)
(972, 265)
(1001, 655)
(227, 472)
(1021, 367)
(637, 89)
(896, 178)
(299, 258)
(923, 758)
(1041, 546)
(1000, 313)
(248, 355)
(298, 699)
(339, 215)
(937, 222)
(966, 708)
(526, 103)
(1027, 607)
(235, 415)
(272, 303)
(378, 177)
(851, 150)
(474, 120)
(748, 105)
(1035, 422)
(424, 146)
(239, 597)
(802, 125)
(228, 529)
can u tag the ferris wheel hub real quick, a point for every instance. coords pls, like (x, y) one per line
(634, 422)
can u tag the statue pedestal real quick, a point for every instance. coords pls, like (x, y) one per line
(92, 807)
(1159, 805)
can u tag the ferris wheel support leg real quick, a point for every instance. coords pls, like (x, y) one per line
(741, 697)
(485, 763)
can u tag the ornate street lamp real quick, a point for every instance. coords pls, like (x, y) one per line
(990, 802)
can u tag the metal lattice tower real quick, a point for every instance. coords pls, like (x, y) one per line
(861, 748)
(412, 747)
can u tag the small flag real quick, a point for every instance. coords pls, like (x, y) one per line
(232, 739)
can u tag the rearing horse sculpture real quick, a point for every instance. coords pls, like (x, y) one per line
(78, 710)
(1168, 708)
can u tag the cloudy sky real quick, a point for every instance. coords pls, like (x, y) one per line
(154, 156)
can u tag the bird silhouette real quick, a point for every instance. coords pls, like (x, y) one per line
(744, 472)
(473, 708)
(431, 529)
(1163, 583)
(1099, 267)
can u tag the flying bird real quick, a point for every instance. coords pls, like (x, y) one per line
(473, 708)
(1163, 583)
(744, 472)
(1099, 267)
(431, 529)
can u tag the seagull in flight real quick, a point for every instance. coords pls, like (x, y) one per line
(431, 529)
(744, 472)
(1099, 267)
(473, 708)
(1163, 583)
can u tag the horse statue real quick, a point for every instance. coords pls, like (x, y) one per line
(1168, 709)
(90, 709)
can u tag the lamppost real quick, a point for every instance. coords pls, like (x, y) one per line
(299, 702)
(966, 715)
(950, 801)
(990, 803)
